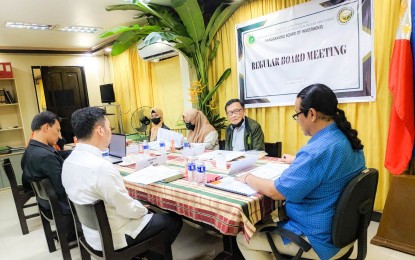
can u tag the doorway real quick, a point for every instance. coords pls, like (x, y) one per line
(61, 90)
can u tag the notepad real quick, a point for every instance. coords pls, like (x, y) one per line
(270, 171)
(230, 184)
(152, 174)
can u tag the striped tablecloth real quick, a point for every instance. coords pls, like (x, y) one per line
(228, 212)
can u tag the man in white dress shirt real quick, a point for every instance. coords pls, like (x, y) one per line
(87, 177)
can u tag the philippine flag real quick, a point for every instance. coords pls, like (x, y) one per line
(401, 84)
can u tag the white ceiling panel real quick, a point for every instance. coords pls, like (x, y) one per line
(58, 12)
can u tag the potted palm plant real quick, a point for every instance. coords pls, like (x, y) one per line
(183, 26)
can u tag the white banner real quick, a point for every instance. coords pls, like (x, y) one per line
(315, 42)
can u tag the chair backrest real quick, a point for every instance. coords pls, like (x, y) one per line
(354, 208)
(94, 217)
(274, 149)
(221, 144)
(44, 190)
(8, 168)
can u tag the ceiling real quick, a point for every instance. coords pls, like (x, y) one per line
(90, 13)
(59, 12)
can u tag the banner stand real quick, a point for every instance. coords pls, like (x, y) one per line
(397, 228)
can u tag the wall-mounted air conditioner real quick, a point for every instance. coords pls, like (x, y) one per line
(156, 52)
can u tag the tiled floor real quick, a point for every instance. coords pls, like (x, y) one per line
(192, 243)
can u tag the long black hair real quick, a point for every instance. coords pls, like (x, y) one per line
(322, 99)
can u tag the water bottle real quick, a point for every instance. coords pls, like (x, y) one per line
(201, 173)
(146, 148)
(185, 143)
(162, 147)
(191, 170)
(140, 148)
(172, 148)
(186, 171)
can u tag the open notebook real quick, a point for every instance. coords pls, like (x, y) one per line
(269, 171)
(153, 174)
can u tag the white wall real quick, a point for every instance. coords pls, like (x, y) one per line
(22, 72)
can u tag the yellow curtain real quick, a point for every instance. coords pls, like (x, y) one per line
(371, 119)
(140, 83)
(132, 84)
(167, 90)
(40, 95)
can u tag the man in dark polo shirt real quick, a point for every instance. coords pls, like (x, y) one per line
(41, 160)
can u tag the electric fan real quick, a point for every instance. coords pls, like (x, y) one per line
(140, 120)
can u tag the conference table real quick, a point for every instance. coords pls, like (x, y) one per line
(222, 211)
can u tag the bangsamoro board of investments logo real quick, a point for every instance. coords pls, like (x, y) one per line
(250, 40)
(345, 15)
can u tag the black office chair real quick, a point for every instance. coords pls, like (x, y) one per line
(221, 144)
(20, 196)
(350, 222)
(274, 149)
(64, 224)
(95, 217)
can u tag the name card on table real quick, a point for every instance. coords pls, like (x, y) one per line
(242, 164)
(154, 161)
(195, 150)
(167, 135)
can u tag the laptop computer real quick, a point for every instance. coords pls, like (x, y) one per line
(117, 148)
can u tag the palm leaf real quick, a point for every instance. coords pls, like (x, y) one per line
(137, 28)
(124, 42)
(170, 19)
(214, 51)
(220, 81)
(155, 37)
(209, 26)
(138, 6)
(191, 16)
(185, 44)
(222, 18)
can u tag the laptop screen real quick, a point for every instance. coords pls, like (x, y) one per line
(117, 145)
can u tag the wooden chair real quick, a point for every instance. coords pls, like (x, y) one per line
(274, 149)
(20, 196)
(351, 218)
(95, 217)
(64, 223)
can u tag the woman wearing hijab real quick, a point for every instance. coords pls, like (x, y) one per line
(200, 130)
(156, 116)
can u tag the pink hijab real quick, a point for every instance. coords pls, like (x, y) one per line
(202, 125)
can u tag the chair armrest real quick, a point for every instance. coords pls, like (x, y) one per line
(296, 239)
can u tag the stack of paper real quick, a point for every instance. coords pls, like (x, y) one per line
(194, 150)
(230, 155)
(167, 135)
(270, 171)
(151, 174)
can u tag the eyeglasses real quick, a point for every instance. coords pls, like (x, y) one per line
(295, 116)
(236, 112)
